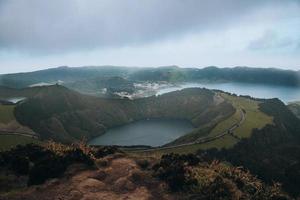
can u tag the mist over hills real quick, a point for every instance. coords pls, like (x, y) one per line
(270, 76)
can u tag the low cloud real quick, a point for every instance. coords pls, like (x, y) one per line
(70, 25)
(270, 40)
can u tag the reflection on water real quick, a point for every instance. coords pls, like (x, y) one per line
(284, 93)
(153, 132)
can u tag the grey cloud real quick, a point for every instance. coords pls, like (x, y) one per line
(270, 40)
(65, 25)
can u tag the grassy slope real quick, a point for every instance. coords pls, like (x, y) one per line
(6, 92)
(9, 141)
(6, 113)
(227, 111)
(225, 142)
(254, 119)
(272, 152)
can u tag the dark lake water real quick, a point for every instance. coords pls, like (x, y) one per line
(284, 93)
(153, 132)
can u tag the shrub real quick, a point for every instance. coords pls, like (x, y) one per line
(173, 169)
(219, 181)
(49, 168)
(43, 162)
(19, 158)
(216, 180)
(32, 151)
(105, 151)
(20, 165)
(77, 156)
(143, 163)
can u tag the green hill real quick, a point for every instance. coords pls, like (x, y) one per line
(7, 92)
(8, 123)
(271, 152)
(66, 74)
(64, 115)
(69, 75)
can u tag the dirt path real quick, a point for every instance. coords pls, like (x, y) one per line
(8, 132)
(15, 128)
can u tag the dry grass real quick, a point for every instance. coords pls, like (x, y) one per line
(61, 149)
(236, 182)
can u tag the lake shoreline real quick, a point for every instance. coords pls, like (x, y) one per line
(167, 129)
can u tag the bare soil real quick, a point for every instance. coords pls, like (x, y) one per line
(114, 179)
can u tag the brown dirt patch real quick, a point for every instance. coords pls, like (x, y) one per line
(121, 179)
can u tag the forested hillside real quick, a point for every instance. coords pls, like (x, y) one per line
(66, 74)
(64, 115)
(170, 74)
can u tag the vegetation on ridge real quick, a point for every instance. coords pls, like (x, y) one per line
(212, 180)
(168, 73)
(8, 123)
(271, 152)
(64, 115)
(100, 170)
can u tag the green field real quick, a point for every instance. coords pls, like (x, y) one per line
(6, 113)
(225, 142)
(9, 141)
(254, 117)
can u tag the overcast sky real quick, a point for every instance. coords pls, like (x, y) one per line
(37, 34)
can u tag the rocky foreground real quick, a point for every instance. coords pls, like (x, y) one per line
(75, 172)
(121, 179)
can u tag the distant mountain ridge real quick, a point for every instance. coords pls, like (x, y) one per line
(66, 74)
(270, 76)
